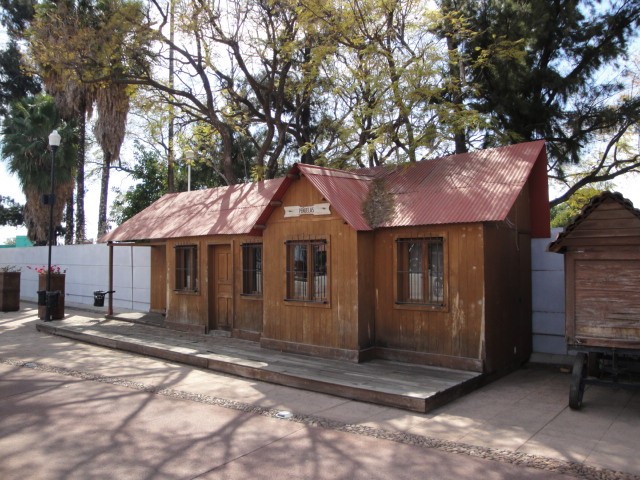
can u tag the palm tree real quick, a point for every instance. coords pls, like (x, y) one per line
(80, 82)
(25, 147)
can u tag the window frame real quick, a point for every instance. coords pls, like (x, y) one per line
(186, 279)
(402, 269)
(255, 274)
(315, 284)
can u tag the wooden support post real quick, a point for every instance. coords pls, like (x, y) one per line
(110, 310)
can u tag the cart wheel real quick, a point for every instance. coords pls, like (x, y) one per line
(578, 374)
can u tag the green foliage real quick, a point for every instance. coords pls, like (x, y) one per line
(25, 145)
(10, 212)
(550, 89)
(563, 214)
(14, 82)
(152, 176)
(260, 84)
(25, 132)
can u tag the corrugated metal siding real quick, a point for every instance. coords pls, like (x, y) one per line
(472, 187)
(215, 211)
(345, 191)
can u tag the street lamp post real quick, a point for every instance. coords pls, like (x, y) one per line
(189, 155)
(54, 143)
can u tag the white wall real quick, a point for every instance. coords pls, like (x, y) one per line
(88, 270)
(547, 279)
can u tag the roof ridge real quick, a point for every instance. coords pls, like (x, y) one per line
(593, 204)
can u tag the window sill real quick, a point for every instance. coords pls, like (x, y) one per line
(306, 303)
(186, 292)
(250, 296)
(421, 307)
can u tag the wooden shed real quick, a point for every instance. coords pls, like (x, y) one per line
(601, 248)
(426, 262)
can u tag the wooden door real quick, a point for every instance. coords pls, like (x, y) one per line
(159, 287)
(220, 287)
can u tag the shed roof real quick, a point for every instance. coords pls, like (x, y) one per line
(472, 187)
(559, 244)
(216, 211)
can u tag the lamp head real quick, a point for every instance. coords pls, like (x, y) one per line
(54, 139)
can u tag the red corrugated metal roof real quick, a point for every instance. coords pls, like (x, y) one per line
(472, 187)
(345, 191)
(215, 211)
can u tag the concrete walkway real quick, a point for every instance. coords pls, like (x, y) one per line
(520, 419)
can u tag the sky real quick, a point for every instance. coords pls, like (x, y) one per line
(628, 185)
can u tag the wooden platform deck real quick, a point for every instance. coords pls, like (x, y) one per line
(412, 387)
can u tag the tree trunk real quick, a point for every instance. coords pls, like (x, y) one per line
(103, 226)
(456, 77)
(68, 214)
(305, 119)
(171, 153)
(226, 135)
(80, 192)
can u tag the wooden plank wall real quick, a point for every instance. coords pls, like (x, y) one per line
(187, 310)
(190, 311)
(602, 264)
(610, 224)
(508, 338)
(454, 331)
(331, 328)
(366, 289)
(247, 321)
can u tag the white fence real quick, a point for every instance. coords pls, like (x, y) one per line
(87, 269)
(547, 279)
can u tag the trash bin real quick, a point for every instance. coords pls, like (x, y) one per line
(42, 298)
(98, 297)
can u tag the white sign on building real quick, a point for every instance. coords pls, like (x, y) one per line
(317, 209)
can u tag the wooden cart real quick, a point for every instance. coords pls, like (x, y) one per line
(601, 248)
(617, 367)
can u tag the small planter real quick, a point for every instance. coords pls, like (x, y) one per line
(55, 297)
(9, 291)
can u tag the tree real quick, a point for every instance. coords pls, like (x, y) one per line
(564, 213)
(152, 184)
(152, 181)
(553, 90)
(25, 147)
(14, 82)
(10, 212)
(96, 35)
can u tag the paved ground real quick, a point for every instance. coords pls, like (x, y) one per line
(73, 410)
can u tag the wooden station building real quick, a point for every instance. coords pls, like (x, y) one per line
(426, 263)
